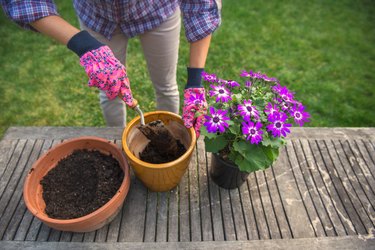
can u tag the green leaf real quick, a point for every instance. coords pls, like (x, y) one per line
(273, 141)
(254, 157)
(206, 134)
(235, 128)
(214, 145)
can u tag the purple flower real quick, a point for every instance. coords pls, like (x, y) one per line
(248, 84)
(222, 81)
(209, 77)
(285, 94)
(222, 94)
(244, 73)
(232, 84)
(216, 121)
(252, 131)
(270, 79)
(271, 109)
(278, 126)
(299, 115)
(247, 110)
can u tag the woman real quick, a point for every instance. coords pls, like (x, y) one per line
(107, 26)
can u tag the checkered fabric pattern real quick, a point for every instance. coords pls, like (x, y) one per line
(134, 17)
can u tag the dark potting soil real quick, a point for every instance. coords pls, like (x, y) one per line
(80, 184)
(151, 154)
(163, 146)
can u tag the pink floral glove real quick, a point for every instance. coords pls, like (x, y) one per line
(107, 73)
(195, 107)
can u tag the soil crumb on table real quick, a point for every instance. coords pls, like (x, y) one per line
(80, 184)
(163, 146)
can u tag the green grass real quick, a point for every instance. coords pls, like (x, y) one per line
(322, 50)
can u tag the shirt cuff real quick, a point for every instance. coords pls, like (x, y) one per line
(200, 19)
(25, 12)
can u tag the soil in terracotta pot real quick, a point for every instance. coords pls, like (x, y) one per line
(80, 184)
(163, 146)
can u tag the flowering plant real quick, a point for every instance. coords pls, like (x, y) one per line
(247, 123)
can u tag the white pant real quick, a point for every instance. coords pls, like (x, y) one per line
(160, 48)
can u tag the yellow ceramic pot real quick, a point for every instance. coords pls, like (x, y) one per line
(165, 176)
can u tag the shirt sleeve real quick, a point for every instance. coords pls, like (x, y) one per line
(27, 11)
(201, 18)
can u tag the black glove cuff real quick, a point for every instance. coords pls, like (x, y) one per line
(83, 42)
(194, 78)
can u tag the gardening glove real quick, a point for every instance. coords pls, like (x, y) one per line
(104, 70)
(195, 104)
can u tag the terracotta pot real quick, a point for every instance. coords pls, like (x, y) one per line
(165, 176)
(32, 191)
(225, 174)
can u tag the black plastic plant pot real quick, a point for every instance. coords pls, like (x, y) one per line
(225, 174)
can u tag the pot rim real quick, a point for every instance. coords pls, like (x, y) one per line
(124, 185)
(133, 158)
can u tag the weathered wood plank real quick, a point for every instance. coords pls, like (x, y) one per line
(306, 195)
(267, 205)
(259, 215)
(184, 208)
(238, 215)
(292, 201)
(29, 225)
(132, 223)
(332, 133)
(66, 236)
(19, 211)
(360, 173)
(368, 158)
(7, 148)
(12, 195)
(348, 242)
(249, 214)
(205, 207)
(78, 237)
(307, 166)
(341, 200)
(54, 235)
(151, 215)
(89, 236)
(370, 148)
(173, 230)
(352, 187)
(61, 133)
(101, 234)
(12, 166)
(116, 132)
(24, 226)
(195, 218)
(42, 234)
(217, 215)
(325, 189)
(162, 217)
(282, 219)
(229, 228)
(15, 221)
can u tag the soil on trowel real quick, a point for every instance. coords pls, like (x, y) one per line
(163, 146)
(80, 184)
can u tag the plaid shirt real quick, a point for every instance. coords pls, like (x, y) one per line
(201, 17)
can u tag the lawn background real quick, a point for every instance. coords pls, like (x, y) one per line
(323, 50)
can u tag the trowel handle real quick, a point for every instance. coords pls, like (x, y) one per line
(136, 108)
(135, 103)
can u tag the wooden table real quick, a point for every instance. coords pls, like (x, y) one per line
(319, 194)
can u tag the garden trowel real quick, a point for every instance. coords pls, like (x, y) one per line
(138, 110)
